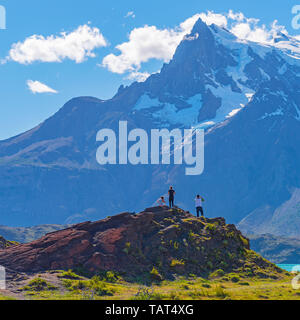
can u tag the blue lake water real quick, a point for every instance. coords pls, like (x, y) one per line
(288, 267)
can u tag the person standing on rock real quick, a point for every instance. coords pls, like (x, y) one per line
(161, 202)
(199, 205)
(171, 197)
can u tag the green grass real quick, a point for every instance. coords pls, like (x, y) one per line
(183, 288)
(4, 298)
(94, 287)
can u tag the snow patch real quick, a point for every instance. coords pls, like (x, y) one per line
(187, 117)
(232, 102)
(283, 69)
(168, 113)
(249, 96)
(233, 112)
(278, 112)
(145, 102)
(264, 74)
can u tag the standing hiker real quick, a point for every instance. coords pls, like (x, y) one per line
(199, 205)
(161, 202)
(171, 197)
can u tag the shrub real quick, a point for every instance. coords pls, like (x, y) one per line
(69, 275)
(231, 234)
(244, 241)
(248, 271)
(148, 294)
(143, 294)
(74, 285)
(185, 242)
(220, 292)
(217, 274)
(175, 263)
(193, 236)
(99, 287)
(111, 277)
(127, 247)
(235, 279)
(169, 220)
(211, 227)
(92, 287)
(154, 271)
(155, 275)
(39, 284)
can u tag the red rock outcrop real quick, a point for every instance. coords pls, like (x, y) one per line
(172, 241)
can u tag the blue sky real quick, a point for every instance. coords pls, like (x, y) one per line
(82, 73)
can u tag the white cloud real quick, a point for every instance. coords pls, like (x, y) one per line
(239, 16)
(76, 46)
(130, 14)
(138, 76)
(249, 29)
(149, 42)
(214, 18)
(38, 87)
(144, 44)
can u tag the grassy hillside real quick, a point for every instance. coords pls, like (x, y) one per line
(61, 285)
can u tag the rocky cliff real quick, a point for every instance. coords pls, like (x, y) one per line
(157, 242)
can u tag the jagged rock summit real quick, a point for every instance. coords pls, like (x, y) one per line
(158, 242)
(5, 243)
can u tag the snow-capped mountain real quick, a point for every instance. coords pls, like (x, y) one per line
(214, 75)
(245, 94)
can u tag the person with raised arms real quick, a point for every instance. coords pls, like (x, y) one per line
(199, 205)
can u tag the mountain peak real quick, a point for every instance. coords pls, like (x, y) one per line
(199, 26)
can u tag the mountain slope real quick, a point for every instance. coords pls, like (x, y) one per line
(24, 235)
(276, 249)
(245, 94)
